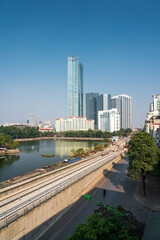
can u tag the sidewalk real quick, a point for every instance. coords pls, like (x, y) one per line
(152, 201)
(152, 229)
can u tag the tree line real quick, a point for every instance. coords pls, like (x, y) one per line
(33, 132)
(17, 133)
(94, 133)
(7, 141)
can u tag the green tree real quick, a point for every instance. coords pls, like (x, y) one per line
(128, 130)
(2, 140)
(98, 147)
(30, 132)
(142, 156)
(90, 133)
(99, 134)
(77, 152)
(80, 151)
(106, 140)
(97, 227)
(14, 145)
(7, 141)
(11, 130)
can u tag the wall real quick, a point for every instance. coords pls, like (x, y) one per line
(45, 211)
(59, 138)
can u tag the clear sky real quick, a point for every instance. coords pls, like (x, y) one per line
(117, 41)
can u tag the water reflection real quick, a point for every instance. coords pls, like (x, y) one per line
(64, 147)
(8, 160)
(30, 146)
(57, 147)
(30, 157)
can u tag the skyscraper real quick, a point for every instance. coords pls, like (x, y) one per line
(95, 103)
(103, 102)
(91, 106)
(75, 88)
(123, 103)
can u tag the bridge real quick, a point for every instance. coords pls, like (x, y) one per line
(25, 206)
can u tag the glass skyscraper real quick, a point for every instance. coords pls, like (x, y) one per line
(75, 88)
(91, 106)
(95, 103)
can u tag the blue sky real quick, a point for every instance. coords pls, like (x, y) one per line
(118, 43)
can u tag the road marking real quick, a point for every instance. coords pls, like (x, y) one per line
(55, 235)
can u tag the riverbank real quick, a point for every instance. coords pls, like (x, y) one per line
(30, 155)
(59, 138)
(42, 170)
(36, 172)
(9, 152)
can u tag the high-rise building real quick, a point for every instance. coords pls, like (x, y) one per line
(154, 107)
(103, 102)
(156, 103)
(115, 102)
(152, 123)
(109, 120)
(95, 103)
(91, 106)
(75, 88)
(123, 103)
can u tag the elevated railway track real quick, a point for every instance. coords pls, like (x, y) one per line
(22, 202)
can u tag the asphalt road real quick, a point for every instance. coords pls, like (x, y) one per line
(119, 191)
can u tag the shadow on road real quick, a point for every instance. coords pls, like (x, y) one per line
(119, 190)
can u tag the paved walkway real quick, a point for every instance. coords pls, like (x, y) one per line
(119, 191)
(152, 229)
(152, 201)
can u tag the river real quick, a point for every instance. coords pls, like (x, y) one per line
(30, 156)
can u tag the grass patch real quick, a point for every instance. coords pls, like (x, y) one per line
(47, 155)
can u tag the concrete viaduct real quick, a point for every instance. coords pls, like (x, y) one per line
(26, 206)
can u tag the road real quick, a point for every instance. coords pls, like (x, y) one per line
(119, 191)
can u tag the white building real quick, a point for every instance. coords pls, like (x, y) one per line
(74, 124)
(151, 114)
(90, 124)
(46, 126)
(152, 124)
(109, 120)
(60, 125)
(123, 103)
(33, 122)
(156, 102)
(154, 107)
